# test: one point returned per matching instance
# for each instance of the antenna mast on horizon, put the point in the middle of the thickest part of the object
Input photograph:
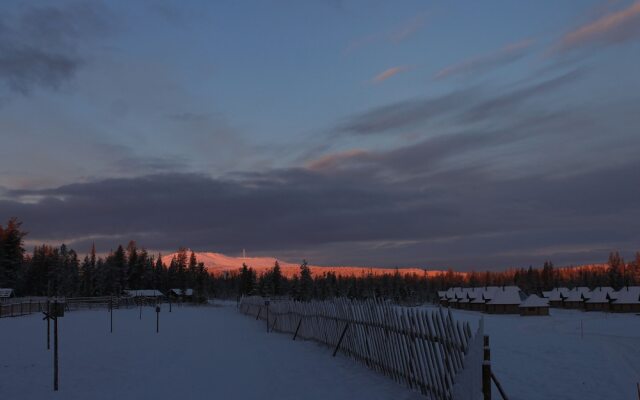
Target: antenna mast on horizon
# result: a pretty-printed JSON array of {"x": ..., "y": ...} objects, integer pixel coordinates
[{"x": 244, "y": 254}]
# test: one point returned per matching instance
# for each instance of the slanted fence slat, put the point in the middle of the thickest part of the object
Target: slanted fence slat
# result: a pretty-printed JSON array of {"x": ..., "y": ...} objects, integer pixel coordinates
[{"x": 421, "y": 349}]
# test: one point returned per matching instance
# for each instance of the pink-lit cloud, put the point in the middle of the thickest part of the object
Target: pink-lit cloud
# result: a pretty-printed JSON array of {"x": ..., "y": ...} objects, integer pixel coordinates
[
  {"x": 409, "y": 28},
  {"x": 386, "y": 74},
  {"x": 506, "y": 55},
  {"x": 333, "y": 160},
  {"x": 397, "y": 35},
  {"x": 610, "y": 28}
]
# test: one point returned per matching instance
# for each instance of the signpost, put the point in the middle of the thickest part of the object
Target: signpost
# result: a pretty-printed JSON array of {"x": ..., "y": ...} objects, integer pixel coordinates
[{"x": 54, "y": 311}]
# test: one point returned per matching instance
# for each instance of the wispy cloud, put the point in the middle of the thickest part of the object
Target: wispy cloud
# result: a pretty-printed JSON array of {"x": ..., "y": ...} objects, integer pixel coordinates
[
  {"x": 333, "y": 160},
  {"x": 386, "y": 74},
  {"x": 396, "y": 35},
  {"x": 409, "y": 28},
  {"x": 611, "y": 28},
  {"x": 506, "y": 55}
]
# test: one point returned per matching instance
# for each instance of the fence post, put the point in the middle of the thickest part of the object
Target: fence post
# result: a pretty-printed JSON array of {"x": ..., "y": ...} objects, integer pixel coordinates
[
  {"x": 48, "y": 327},
  {"x": 297, "y": 328},
  {"x": 486, "y": 370},
  {"x": 111, "y": 313},
  {"x": 340, "y": 341},
  {"x": 55, "y": 352},
  {"x": 157, "y": 319}
]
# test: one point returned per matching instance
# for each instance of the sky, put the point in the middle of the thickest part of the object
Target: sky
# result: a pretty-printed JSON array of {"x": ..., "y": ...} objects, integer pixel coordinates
[{"x": 471, "y": 135}]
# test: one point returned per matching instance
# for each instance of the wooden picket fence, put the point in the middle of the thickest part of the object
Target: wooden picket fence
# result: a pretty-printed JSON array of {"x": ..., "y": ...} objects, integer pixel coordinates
[{"x": 423, "y": 349}]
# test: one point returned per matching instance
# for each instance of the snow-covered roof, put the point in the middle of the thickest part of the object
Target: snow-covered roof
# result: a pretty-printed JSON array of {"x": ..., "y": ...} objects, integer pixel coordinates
[
  {"x": 455, "y": 292},
  {"x": 144, "y": 293},
  {"x": 506, "y": 295},
  {"x": 5, "y": 292},
  {"x": 600, "y": 295},
  {"x": 178, "y": 292},
  {"x": 556, "y": 294},
  {"x": 577, "y": 294},
  {"x": 535, "y": 301},
  {"x": 467, "y": 295},
  {"x": 628, "y": 295}
]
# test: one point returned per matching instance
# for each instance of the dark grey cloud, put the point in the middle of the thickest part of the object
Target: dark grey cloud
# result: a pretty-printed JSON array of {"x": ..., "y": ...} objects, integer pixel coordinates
[
  {"x": 457, "y": 107},
  {"x": 39, "y": 45},
  {"x": 465, "y": 217},
  {"x": 507, "y": 55}
]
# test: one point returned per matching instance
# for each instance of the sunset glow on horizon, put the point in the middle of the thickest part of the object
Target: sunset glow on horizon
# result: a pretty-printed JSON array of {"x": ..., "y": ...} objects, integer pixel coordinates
[{"x": 483, "y": 135}]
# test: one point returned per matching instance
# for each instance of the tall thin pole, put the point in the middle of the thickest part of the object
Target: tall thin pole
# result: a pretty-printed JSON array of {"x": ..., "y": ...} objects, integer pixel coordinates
[
  {"x": 48, "y": 327},
  {"x": 55, "y": 353},
  {"x": 111, "y": 313}
]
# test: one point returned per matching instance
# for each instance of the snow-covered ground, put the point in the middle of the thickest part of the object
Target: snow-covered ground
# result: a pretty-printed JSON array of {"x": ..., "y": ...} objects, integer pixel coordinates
[
  {"x": 548, "y": 358},
  {"x": 208, "y": 352}
]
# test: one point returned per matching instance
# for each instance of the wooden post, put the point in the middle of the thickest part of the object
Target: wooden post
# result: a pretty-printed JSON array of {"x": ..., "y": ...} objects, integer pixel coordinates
[
  {"x": 157, "y": 319},
  {"x": 140, "y": 311},
  {"x": 340, "y": 341},
  {"x": 48, "y": 327},
  {"x": 111, "y": 313},
  {"x": 55, "y": 353},
  {"x": 486, "y": 370},
  {"x": 267, "y": 318},
  {"x": 259, "y": 311},
  {"x": 297, "y": 328},
  {"x": 169, "y": 302}
]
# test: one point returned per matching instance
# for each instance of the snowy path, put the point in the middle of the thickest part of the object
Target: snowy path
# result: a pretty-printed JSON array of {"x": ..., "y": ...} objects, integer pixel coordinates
[
  {"x": 545, "y": 358},
  {"x": 212, "y": 353}
]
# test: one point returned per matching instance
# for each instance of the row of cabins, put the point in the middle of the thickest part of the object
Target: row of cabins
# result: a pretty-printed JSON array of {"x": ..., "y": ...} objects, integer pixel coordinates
[
  {"x": 626, "y": 299},
  {"x": 494, "y": 300},
  {"x": 511, "y": 300}
]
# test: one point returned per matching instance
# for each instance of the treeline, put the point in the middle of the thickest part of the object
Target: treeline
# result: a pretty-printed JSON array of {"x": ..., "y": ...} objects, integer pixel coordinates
[
  {"x": 410, "y": 288},
  {"x": 59, "y": 271}
]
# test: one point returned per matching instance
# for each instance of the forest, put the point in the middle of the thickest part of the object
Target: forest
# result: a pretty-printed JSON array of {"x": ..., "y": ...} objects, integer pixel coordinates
[{"x": 60, "y": 271}]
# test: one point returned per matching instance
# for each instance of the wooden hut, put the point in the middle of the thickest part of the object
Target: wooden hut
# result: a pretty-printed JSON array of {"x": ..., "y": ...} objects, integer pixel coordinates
[
  {"x": 534, "y": 305},
  {"x": 599, "y": 299},
  {"x": 6, "y": 293},
  {"x": 556, "y": 296},
  {"x": 145, "y": 295},
  {"x": 626, "y": 299},
  {"x": 576, "y": 297},
  {"x": 468, "y": 295},
  {"x": 443, "y": 300},
  {"x": 178, "y": 294},
  {"x": 505, "y": 300}
]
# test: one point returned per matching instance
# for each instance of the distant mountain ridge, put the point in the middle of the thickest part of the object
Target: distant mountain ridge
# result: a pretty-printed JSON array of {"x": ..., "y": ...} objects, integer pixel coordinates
[{"x": 217, "y": 263}]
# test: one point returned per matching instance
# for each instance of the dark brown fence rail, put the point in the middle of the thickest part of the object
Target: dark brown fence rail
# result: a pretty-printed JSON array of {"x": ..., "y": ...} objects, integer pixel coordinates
[
  {"x": 422, "y": 349},
  {"x": 24, "y": 306},
  {"x": 18, "y": 308}
]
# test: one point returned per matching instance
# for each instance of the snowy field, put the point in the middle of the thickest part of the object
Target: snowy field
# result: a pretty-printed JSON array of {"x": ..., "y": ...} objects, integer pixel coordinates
[
  {"x": 547, "y": 358},
  {"x": 208, "y": 352}
]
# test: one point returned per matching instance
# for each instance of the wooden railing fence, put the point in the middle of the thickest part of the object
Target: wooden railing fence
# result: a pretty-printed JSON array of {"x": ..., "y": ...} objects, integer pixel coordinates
[
  {"x": 24, "y": 306},
  {"x": 422, "y": 349},
  {"x": 16, "y": 309}
]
